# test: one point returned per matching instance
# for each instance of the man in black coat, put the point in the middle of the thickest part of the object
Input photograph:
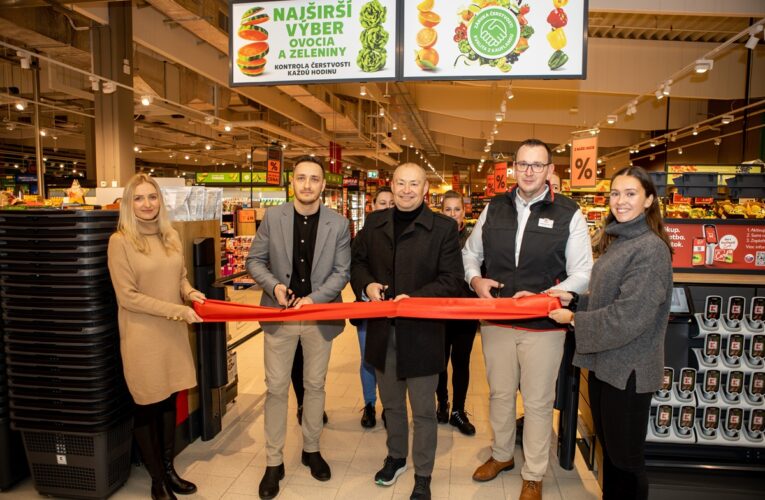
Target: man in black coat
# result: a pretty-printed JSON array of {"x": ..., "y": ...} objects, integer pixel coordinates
[{"x": 407, "y": 251}]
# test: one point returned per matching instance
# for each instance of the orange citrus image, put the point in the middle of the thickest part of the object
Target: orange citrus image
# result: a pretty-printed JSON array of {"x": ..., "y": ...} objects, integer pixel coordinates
[
  {"x": 429, "y": 19},
  {"x": 427, "y": 37},
  {"x": 427, "y": 59},
  {"x": 425, "y": 5}
]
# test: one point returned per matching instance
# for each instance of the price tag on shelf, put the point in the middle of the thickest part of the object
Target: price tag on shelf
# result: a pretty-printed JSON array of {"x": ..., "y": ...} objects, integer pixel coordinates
[{"x": 584, "y": 158}]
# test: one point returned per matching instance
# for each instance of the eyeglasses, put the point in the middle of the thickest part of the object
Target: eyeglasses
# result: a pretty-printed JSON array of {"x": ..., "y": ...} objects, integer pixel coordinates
[{"x": 536, "y": 167}]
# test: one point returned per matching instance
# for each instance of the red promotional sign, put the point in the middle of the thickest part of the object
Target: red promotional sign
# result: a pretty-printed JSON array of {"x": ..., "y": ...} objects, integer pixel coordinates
[
  {"x": 500, "y": 177},
  {"x": 717, "y": 246},
  {"x": 678, "y": 198},
  {"x": 274, "y": 166},
  {"x": 584, "y": 158},
  {"x": 490, "y": 185}
]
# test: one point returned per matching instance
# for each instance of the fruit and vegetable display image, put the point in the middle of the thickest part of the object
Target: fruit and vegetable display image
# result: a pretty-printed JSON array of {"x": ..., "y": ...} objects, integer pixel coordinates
[
  {"x": 557, "y": 19},
  {"x": 493, "y": 32},
  {"x": 374, "y": 38},
  {"x": 251, "y": 57},
  {"x": 426, "y": 56}
]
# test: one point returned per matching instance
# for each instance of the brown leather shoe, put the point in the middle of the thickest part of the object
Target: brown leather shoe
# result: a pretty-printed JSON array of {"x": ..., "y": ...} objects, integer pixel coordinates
[
  {"x": 532, "y": 490},
  {"x": 491, "y": 468}
]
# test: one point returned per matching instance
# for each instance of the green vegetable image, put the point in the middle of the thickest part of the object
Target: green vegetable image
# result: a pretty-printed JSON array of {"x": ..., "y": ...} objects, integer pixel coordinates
[
  {"x": 526, "y": 31},
  {"x": 370, "y": 60},
  {"x": 373, "y": 14},
  {"x": 558, "y": 59},
  {"x": 374, "y": 38}
]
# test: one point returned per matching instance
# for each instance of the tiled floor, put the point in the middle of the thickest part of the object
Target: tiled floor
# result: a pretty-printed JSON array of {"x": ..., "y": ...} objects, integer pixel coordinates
[{"x": 230, "y": 466}]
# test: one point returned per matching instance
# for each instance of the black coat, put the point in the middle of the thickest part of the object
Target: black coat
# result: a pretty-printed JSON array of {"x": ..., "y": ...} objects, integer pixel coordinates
[{"x": 428, "y": 263}]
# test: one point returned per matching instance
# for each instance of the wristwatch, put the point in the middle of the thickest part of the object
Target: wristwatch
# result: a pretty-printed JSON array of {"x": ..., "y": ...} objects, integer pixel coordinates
[{"x": 573, "y": 302}]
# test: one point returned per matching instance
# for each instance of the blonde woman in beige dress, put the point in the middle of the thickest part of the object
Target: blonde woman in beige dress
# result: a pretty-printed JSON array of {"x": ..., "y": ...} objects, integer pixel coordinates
[{"x": 149, "y": 278}]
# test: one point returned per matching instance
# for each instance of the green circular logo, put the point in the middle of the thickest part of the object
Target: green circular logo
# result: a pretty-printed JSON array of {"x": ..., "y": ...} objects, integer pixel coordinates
[{"x": 493, "y": 32}]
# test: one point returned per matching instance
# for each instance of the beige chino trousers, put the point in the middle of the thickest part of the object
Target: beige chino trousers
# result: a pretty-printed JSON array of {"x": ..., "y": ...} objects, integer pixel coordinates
[
  {"x": 279, "y": 353},
  {"x": 528, "y": 360}
]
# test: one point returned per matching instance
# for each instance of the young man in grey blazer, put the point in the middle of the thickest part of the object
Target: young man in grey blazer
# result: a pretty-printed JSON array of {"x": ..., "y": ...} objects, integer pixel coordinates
[{"x": 300, "y": 255}]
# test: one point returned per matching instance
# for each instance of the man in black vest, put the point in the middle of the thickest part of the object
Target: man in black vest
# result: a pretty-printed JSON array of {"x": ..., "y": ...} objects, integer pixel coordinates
[
  {"x": 531, "y": 240},
  {"x": 408, "y": 251}
]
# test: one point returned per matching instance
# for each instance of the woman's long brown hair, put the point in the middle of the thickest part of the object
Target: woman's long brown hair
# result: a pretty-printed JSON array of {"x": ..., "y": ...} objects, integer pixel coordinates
[{"x": 652, "y": 214}]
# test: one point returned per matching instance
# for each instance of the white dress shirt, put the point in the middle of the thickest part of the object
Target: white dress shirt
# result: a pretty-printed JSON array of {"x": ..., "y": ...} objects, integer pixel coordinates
[{"x": 578, "y": 247}]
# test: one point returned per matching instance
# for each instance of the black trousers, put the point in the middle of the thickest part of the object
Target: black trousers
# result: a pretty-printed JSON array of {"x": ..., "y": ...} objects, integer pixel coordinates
[
  {"x": 621, "y": 420},
  {"x": 459, "y": 338}
]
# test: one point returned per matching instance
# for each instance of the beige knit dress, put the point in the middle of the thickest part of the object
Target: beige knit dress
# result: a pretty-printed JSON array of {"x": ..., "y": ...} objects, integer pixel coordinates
[{"x": 151, "y": 290}]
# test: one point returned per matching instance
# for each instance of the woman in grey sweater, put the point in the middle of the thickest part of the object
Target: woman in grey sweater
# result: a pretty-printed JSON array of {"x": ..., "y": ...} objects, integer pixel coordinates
[{"x": 619, "y": 328}]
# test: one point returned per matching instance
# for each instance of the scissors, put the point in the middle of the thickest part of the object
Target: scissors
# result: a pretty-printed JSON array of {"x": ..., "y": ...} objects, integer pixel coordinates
[{"x": 291, "y": 299}]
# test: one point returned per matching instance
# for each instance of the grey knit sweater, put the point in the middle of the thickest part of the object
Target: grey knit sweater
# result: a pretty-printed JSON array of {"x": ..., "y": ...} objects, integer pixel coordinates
[{"x": 621, "y": 321}]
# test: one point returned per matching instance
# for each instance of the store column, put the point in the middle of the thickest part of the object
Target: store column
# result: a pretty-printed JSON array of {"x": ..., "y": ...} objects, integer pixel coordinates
[{"x": 109, "y": 152}]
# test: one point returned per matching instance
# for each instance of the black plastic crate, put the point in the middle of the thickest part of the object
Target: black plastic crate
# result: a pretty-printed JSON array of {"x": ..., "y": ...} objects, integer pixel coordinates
[
  {"x": 80, "y": 465},
  {"x": 116, "y": 392},
  {"x": 67, "y": 421},
  {"x": 13, "y": 463}
]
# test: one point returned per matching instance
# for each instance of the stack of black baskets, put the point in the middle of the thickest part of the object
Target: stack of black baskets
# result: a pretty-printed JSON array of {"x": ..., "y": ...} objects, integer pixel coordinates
[{"x": 67, "y": 393}]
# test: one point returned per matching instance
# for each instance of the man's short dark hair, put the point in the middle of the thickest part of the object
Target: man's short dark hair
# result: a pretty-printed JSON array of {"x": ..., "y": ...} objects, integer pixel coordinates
[
  {"x": 383, "y": 189},
  {"x": 535, "y": 143},
  {"x": 308, "y": 159}
]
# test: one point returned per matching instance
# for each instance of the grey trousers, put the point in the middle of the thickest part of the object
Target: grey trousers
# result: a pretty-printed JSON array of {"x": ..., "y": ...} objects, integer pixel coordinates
[
  {"x": 393, "y": 391},
  {"x": 278, "y": 353}
]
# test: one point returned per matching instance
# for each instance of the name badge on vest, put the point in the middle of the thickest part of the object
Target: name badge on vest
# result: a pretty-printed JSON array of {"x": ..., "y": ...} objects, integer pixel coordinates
[{"x": 546, "y": 223}]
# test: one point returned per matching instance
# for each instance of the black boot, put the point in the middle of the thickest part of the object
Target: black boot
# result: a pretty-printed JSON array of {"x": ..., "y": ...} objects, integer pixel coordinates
[
  {"x": 150, "y": 454},
  {"x": 442, "y": 413},
  {"x": 175, "y": 482}
]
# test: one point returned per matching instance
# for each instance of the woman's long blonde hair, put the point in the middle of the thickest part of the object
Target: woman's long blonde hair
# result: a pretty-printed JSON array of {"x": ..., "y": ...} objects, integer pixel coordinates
[{"x": 128, "y": 224}]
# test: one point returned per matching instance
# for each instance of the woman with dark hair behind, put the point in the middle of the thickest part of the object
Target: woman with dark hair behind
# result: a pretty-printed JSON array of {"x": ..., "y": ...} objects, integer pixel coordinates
[
  {"x": 458, "y": 340},
  {"x": 620, "y": 326}
]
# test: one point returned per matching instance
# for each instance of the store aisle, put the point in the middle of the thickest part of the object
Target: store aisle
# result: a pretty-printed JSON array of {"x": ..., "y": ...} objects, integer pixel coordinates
[{"x": 231, "y": 466}]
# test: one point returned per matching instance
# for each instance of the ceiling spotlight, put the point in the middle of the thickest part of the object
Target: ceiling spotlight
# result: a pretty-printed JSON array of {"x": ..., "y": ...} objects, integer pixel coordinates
[
  {"x": 284, "y": 145},
  {"x": 209, "y": 120},
  {"x": 703, "y": 65},
  {"x": 752, "y": 42},
  {"x": 600, "y": 162},
  {"x": 717, "y": 141},
  {"x": 695, "y": 130},
  {"x": 26, "y": 60},
  {"x": 10, "y": 126},
  {"x": 313, "y": 155},
  {"x": 652, "y": 144},
  {"x": 363, "y": 90},
  {"x": 20, "y": 105},
  {"x": 61, "y": 167},
  {"x": 490, "y": 141},
  {"x": 135, "y": 149},
  {"x": 403, "y": 137},
  {"x": 227, "y": 127},
  {"x": 15, "y": 165},
  {"x": 186, "y": 157},
  {"x": 666, "y": 89},
  {"x": 726, "y": 119},
  {"x": 395, "y": 126},
  {"x": 249, "y": 155},
  {"x": 146, "y": 100},
  {"x": 659, "y": 94},
  {"x": 93, "y": 83},
  {"x": 486, "y": 149},
  {"x": 672, "y": 137},
  {"x": 509, "y": 94},
  {"x": 43, "y": 132},
  {"x": 503, "y": 106},
  {"x": 381, "y": 113},
  {"x": 109, "y": 87},
  {"x": 208, "y": 146},
  {"x": 611, "y": 119},
  {"x": 679, "y": 151},
  {"x": 499, "y": 117},
  {"x": 594, "y": 131}
]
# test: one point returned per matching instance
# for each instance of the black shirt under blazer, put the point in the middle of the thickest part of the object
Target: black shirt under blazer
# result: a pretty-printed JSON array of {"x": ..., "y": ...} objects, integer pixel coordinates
[{"x": 427, "y": 263}]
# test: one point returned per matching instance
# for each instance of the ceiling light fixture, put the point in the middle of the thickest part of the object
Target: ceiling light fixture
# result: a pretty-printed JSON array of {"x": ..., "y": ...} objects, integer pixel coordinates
[
  {"x": 146, "y": 100},
  {"x": 503, "y": 106},
  {"x": 695, "y": 130},
  {"x": 703, "y": 65},
  {"x": 395, "y": 126},
  {"x": 186, "y": 157},
  {"x": 499, "y": 117},
  {"x": 659, "y": 94},
  {"x": 20, "y": 105},
  {"x": 752, "y": 42},
  {"x": 652, "y": 144},
  {"x": 209, "y": 120},
  {"x": 381, "y": 112},
  {"x": 43, "y": 132},
  {"x": 109, "y": 87},
  {"x": 611, "y": 119},
  {"x": 403, "y": 137},
  {"x": 679, "y": 151},
  {"x": 208, "y": 146},
  {"x": 726, "y": 119},
  {"x": 135, "y": 149},
  {"x": 717, "y": 141},
  {"x": 227, "y": 127},
  {"x": 509, "y": 94},
  {"x": 666, "y": 89},
  {"x": 363, "y": 91}
]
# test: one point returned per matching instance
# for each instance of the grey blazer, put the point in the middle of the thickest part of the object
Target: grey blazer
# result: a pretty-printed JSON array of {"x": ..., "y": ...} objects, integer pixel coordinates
[{"x": 270, "y": 260}]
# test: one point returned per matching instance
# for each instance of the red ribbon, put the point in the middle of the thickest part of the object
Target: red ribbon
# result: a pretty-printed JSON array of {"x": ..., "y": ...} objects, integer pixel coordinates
[{"x": 535, "y": 306}]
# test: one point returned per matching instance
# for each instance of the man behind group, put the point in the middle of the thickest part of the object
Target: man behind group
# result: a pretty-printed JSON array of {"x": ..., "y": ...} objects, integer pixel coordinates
[
  {"x": 407, "y": 252},
  {"x": 300, "y": 255},
  {"x": 530, "y": 240}
]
